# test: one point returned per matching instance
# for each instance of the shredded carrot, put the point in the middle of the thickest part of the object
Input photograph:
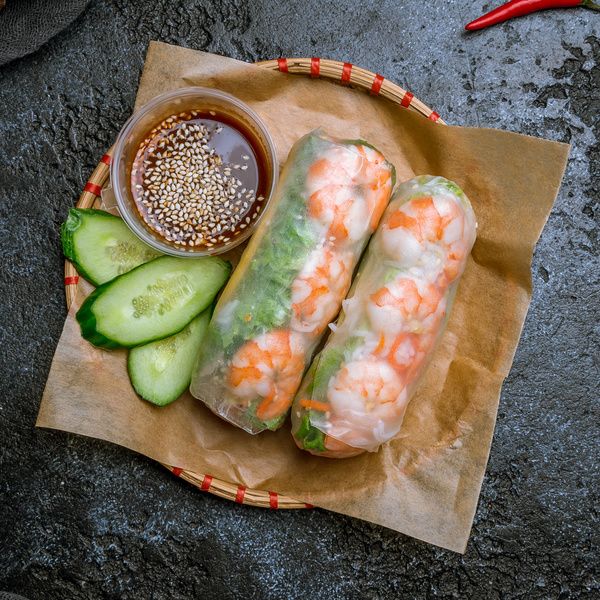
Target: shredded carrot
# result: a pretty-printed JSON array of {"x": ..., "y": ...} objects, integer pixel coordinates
[
  {"x": 264, "y": 405},
  {"x": 306, "y": 403},
  {"x": 381, "y": 344}
]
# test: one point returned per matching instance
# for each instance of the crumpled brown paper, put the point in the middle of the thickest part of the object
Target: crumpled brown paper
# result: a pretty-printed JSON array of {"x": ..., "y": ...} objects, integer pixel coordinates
[{"x": 426, "y": 482}]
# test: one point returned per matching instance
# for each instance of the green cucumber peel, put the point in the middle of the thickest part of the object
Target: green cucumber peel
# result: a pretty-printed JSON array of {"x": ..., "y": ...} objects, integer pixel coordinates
[
  {"x": 152, "y": 301},
  {"x": 161, "y": 370},
  {"x": 101, "y": 246},
  {"x": 67, "y": 229},
  {"x": 88, "y": 324}
]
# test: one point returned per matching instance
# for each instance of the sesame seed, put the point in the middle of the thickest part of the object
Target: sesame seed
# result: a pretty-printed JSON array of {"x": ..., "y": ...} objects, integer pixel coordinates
[{"x": 187, "y": 192}]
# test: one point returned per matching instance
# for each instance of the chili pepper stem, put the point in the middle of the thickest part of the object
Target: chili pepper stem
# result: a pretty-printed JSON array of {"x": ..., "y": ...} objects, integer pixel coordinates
[{"x": 589, "y": 4}]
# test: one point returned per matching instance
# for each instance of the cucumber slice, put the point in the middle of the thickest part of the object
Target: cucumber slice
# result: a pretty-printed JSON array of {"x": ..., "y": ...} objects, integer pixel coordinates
[
  {"x": 162, "y": 370},
  {"x": 101, "y": 246},
  {"x": 151, "y": 302}
]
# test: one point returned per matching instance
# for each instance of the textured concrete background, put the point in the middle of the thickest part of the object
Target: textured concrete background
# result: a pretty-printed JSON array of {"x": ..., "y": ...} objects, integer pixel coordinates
[{"x": 81, "y": 518}]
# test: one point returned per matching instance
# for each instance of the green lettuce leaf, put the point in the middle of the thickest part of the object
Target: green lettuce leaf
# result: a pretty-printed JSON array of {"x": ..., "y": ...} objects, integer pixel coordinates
[
  {"x": 310, "y": 437},
  {"x": 265, "y": 295}
]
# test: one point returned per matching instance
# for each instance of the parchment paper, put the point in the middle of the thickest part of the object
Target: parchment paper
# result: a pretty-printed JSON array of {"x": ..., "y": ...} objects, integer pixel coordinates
[{"x": 426, "y": 482}]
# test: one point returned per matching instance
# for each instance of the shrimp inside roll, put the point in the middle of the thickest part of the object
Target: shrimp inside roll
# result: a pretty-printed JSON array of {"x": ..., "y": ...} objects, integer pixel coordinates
[{"x": 355, "y": 394}]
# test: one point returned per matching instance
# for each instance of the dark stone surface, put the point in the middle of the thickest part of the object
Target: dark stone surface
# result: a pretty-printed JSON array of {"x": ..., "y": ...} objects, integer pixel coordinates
[{"x": 81, "y": 518}]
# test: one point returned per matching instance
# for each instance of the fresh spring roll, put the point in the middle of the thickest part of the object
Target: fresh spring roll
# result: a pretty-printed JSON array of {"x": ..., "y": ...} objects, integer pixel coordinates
[
  {"x": 354, "y": 396},
  {"x": 291, "y": 280}
]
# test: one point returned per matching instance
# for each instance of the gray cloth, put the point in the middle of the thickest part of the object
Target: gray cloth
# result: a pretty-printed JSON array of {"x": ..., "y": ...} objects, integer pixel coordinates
[{"x": 27, "y": 24}]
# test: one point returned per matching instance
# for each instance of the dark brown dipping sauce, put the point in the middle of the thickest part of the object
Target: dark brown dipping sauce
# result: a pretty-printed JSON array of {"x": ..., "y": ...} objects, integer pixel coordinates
[{"x": 199, "y": 179}]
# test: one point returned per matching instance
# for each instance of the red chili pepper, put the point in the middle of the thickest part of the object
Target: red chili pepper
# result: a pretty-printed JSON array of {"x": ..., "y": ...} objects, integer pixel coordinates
[{"x": 517, "y": 8}]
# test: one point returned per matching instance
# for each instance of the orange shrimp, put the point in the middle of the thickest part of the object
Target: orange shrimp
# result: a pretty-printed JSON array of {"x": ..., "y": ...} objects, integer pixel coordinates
[
  {"x": 366, "y": 396},
  {"x": 406, "y": 351},
  {"x": 408, "y": 298},
  {"x": 434, "y": 221},
  {"x": 319, "y": 289},
  {"x": 406, "y": 305},
  {"x": 337, "y": 449},
  {"x": 348, "y": 191},
  {"x": 425, "y": 222},
  {"x": 336, "y": 207},
  {"x": 269, "y": 367},
  {"x": 338, "y": 166},
  {"x": 379, "y": 186}
]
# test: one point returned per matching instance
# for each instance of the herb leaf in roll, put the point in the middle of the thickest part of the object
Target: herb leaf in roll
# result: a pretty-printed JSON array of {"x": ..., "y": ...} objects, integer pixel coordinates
[{"x": 291, "y": 280}]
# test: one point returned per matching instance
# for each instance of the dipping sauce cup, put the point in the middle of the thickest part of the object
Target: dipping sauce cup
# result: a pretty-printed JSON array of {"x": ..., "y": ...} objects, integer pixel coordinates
[{"x": 192, "y": 172}]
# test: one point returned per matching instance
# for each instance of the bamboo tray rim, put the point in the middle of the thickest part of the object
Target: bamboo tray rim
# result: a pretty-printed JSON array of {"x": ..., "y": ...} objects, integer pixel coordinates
[{"x": 330, "y": 70}]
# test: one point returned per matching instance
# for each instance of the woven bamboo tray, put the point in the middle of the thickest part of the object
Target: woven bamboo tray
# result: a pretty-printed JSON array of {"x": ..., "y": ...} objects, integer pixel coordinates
[{"x": 330, "y": 70}]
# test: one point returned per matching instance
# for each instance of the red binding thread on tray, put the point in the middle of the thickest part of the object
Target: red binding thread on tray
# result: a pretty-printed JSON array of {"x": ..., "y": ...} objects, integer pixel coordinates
[
  {"x": 106, "y": 159},
  {"x": 273, "y": 502},
  {"x": 283, "y": 66},
  {"x": 433, "y": 116},
  {"x": 376, "y": 85},
  {"x": 346, "y": 72},
  {"x": 93, "y": 188},
  {"x": 406, "y": 100},
  {"x": 206, "y": 483},
  {"x": 71, "y": 280},
  {"x": 241, "y": 492},
  {"x": 177, "y": 471},
  {"x": 315, "y": 66}
]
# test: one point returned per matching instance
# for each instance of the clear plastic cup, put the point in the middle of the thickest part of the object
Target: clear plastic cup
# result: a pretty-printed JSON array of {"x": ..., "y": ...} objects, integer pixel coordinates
[{"x": 240, "y": 116}]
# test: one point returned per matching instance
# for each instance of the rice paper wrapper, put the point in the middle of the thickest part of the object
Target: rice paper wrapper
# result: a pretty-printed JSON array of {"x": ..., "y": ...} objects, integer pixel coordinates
[
  {"x": 426, "y": 481},
  {"x": 267, "y": 323},
  {"x": 355, "y": 394}
]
